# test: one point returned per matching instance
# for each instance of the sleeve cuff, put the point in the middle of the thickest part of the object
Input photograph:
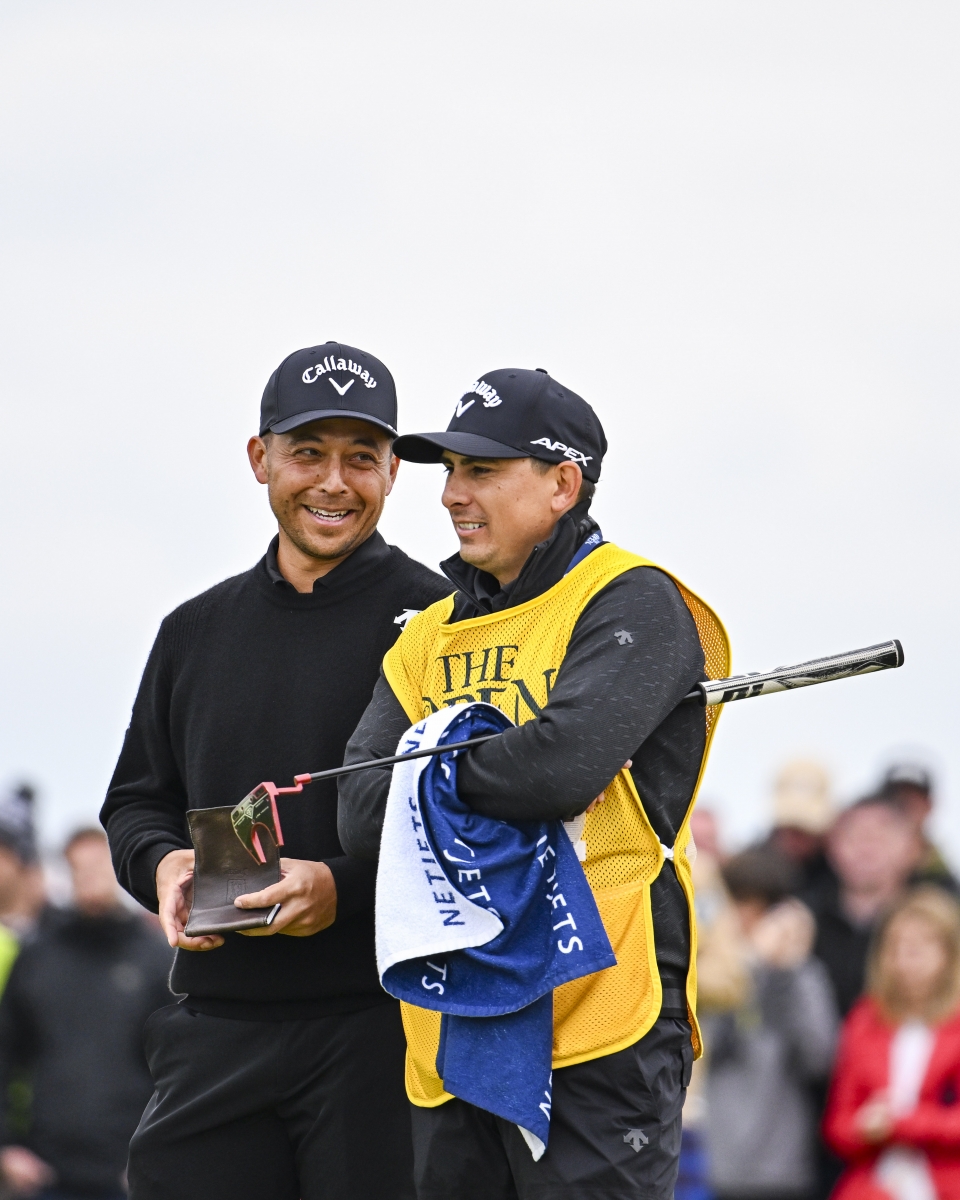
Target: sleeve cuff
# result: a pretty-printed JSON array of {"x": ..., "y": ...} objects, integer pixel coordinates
[
  {"x": 143, "y": 872},
  {"x": 356, "y": 883}
]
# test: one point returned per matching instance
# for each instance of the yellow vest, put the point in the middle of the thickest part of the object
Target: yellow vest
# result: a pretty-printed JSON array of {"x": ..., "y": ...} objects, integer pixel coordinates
[{"x": 510, "y": 659}]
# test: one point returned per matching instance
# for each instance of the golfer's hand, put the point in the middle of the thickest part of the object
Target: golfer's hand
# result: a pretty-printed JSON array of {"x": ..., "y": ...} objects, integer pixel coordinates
[
  {"x": 307, "y": 894},
  {"x": 599, "y": 800},
  {"x": 175, "y": 894}
]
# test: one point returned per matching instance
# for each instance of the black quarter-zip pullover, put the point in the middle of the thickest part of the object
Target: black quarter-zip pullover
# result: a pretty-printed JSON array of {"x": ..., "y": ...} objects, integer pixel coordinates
[{"x": 249, "y": 681}]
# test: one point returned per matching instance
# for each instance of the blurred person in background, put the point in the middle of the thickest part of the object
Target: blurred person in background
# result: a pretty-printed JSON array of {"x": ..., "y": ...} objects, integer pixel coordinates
[
  {"x": 894, "y": 1110},
  {"x": 765, "y": 1054},
  {"x": 723, "y": 983},
  {"x": 705, "y": 832},
  {"x": 803, "y": 813},
  {"x": 910, "y": 787},
  {"x": 72, "y": 1020},
  {"x": 874, "y": 850},
  {"x": 723, "y": 976},
  {"x": 22, "y": 892}
]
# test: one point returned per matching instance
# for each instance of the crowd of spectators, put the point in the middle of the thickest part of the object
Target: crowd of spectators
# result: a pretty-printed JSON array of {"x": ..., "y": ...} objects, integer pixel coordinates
[
  {"x": 829, "y": 998},
  {"x": 79, "y": 981}
]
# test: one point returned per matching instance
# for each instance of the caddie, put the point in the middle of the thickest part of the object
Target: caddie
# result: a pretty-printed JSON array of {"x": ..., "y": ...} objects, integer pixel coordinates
[
  {"x": 590, "y": 650},
  {"x": 279, "y": 1074}
]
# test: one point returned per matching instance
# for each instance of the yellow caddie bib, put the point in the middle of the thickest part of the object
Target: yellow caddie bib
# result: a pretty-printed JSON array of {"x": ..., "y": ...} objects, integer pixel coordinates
[{"x": 510, "y": 659}]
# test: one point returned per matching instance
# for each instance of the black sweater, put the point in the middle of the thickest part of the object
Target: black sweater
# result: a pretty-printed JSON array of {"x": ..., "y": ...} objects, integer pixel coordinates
[
  {"x": 72, "y": 1020},
  {"x": 250, "y": 681},
  {"x": 614, "y": 698}
]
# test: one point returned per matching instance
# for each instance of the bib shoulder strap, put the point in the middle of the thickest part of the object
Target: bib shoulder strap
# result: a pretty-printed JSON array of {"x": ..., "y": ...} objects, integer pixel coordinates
[
  {"x": 405, "y": 663},
  {"x": 713, "y": 636}
]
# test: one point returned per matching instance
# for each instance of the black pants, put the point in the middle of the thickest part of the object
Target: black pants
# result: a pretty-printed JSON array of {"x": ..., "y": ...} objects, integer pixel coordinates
[
  {"x": 274, "y": 1110},
  {"x": 614, "y": 1133}
]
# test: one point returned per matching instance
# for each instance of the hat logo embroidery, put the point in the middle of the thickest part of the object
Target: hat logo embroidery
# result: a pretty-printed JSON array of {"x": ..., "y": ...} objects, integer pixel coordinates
[
  {"x": 462, "y": 408},
  {"x": 491, "y": 398},
  {"x": 576, "y": 456},
  {"x": 346, "y": 387},
  {"x": 312, "y": 374}
]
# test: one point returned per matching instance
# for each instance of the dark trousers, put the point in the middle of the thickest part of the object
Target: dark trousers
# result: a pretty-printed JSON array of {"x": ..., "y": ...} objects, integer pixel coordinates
[
  {"x": 274, "y": 1110},
  {"x": 614, "y": 1133}
]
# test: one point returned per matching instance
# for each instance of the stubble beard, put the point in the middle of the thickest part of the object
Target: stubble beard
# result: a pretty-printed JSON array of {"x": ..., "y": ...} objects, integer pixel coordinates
[{"x": 311, "y": 550}]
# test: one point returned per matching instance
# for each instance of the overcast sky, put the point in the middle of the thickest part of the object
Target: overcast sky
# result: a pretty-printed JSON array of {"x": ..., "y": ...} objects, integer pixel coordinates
[{"x": 731, "y": 226}]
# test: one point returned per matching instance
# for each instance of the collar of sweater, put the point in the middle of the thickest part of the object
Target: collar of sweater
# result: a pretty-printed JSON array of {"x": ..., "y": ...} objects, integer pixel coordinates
[
  {"x": 479, "y": 592},
  {"x": 356, "y": 571}
]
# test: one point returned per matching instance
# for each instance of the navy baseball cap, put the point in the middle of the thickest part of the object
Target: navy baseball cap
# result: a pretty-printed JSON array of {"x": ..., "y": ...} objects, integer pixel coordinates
[
  {"x": 514, "y": 413},
  {"x": 331, "y": 380}
]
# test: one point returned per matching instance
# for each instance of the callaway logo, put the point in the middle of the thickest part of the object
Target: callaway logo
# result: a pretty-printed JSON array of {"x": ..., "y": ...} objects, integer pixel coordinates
[
  {"x": 312, "y": 374},
  {"x": 568, "y": 451},
  {"x": 487, "y": 393}
]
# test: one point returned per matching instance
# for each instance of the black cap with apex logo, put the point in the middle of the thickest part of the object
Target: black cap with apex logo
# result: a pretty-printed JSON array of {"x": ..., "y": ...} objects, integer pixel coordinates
[
  {"x": 331, "y": 380},
  {"x": 514, "y": 413}
]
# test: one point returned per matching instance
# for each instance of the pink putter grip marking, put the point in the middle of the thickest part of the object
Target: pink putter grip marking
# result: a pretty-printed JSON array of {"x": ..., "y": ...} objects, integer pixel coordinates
[{"x": 259, "y": 849}]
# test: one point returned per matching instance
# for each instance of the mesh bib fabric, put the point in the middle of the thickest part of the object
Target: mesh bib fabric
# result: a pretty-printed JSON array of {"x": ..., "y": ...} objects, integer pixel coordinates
[{"x": 510, "y": 659}]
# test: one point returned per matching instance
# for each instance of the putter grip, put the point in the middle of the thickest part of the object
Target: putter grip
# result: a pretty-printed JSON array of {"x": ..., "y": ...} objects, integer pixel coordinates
[
  {"x": 882, "y": 657},
  {"x": 223, "y": 871}
]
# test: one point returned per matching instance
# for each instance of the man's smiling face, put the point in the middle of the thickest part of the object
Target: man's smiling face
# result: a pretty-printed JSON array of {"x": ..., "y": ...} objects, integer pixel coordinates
[
  {"x": 502, "y": 507},
  {"x": 327, "y": 482}
]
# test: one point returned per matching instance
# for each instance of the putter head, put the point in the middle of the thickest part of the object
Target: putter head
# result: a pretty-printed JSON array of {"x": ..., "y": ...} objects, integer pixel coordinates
[
  {"x": 258, "y": 811},
  {"x": 256, "y": 816}
]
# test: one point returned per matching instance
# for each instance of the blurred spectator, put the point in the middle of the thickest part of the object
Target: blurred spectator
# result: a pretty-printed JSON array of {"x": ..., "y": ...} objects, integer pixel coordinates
[
  {"x": 723, "y": 976},
  {"x": 910, "y": 787},
  {"x": 705, "y": 831},
  {"x": 22, "y": 892},
  {"x": 764, "y": 1055},
  {"x": 803, "y": 812},
  {"x": 894, "y": 1112},
  {"x": 873, "y": 849},
  {"x": 72, "y": 1018},
  {"x": 723, "y": 982}
]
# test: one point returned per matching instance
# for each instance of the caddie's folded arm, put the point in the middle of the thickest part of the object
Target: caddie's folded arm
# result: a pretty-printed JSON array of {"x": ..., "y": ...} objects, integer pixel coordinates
[
  {"x": 633, "y": 655},
  {"x": 145, "y": 809}
]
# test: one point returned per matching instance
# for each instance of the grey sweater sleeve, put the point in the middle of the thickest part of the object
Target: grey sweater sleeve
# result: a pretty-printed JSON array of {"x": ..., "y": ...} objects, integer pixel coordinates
[
  {"x": 633, "y": 655},
  {"x": 799, "y": 1004}
]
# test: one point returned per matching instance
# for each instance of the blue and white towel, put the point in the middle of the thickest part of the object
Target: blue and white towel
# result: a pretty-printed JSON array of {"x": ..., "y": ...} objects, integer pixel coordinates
[{"x": 480, "y": 920}]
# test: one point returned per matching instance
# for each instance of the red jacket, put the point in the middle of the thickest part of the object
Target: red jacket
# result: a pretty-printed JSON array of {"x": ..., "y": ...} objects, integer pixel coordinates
[{"x": 934, "y": 1126}]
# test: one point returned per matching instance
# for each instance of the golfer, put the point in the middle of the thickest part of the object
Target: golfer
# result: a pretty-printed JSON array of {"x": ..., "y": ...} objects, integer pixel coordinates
[
  {"x": 590, "y": 650},
  {"x": 278, "y": 1075}
]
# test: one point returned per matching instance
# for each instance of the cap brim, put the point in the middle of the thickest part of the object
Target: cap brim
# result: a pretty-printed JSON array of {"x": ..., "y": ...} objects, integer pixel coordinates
[
  {"x": 324, "y": 414},
  {"x": 429, "y": 447}
]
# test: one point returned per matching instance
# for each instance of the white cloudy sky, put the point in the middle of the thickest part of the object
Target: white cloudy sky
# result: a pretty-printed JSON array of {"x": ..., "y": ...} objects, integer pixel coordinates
[{"x": 731, "y": 226}]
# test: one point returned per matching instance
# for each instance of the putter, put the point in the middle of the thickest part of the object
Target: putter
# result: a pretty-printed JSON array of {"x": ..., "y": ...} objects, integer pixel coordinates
[{"x": 249, "y": 860}]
